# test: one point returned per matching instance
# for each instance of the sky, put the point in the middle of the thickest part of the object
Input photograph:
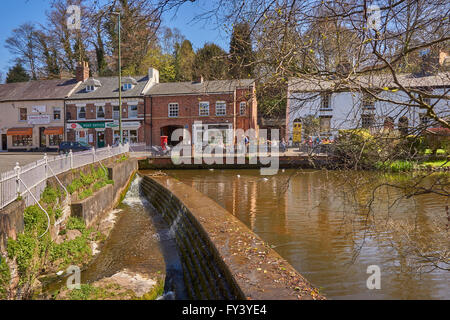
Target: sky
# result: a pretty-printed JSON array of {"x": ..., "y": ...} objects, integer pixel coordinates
[{"x": 14, "y": 13}]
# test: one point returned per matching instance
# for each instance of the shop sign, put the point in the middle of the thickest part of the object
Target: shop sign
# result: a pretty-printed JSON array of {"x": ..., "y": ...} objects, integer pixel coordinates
[
  {"x": 39, "y": 119},
  {"x": 86, "y": 125}
]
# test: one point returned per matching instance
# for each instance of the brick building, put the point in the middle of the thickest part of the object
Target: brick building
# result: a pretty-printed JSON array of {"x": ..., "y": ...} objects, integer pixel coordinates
[
  {"x": 93, "y": 109},
  {"x": 198, "y": 106}
]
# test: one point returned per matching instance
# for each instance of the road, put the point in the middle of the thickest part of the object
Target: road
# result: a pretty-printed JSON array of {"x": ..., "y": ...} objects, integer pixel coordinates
[{"x": 8, "y": 159}]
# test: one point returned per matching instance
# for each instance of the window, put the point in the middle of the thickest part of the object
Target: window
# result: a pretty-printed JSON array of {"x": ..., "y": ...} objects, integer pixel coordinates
[
  {"x": 55, "y": 139},
  {"x": 204, "y": 109},
  {"x": 90, "y": 88},
  {"x": 221, "y": 108},
  {"x": 325, "y": 124},
  {"x": 23, "y": 114},
  {"x": 325, "y": 101},
  {"x": 243, "y": 108},
  {"x": 173, "y": 110},
  {"x": 132, "y": 111},
  {"x": 22, "y": 141},
  {"x": 100, "y": 112},
  {"x": 128, "y": 136},
  {"x": 116, "y": 112},
  {"x": 367, "y": 120},
  {"x": 424, "y": 119},
  {"x": 56, "y": 113},
  {"x": 368, "y": 101},
  {"x": 127, "y": 86},
  {"x": 81, "y": 113}
]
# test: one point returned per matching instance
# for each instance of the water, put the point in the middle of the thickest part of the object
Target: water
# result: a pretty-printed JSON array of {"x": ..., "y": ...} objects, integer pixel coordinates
[
  {"x": 140, "y": 242},
  {"x": 318, "y": 221}
]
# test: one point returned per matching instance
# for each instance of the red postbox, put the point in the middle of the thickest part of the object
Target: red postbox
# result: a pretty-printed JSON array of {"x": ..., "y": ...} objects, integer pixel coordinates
[{"x": 164, "y": 142}]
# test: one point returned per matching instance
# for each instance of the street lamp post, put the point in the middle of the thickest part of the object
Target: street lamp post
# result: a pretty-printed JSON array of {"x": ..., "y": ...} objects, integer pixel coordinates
[{"x": 120, "y": 80}]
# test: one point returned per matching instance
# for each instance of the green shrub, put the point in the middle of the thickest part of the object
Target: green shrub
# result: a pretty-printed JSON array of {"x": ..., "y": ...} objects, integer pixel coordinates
[
  {"x": 87, "y": 179},
  {"x": 75, "y": 186},
  {"x": 34, "y": 219},
  {"x": 23, "y": 250},
  {"x": 5, "y": 277},
  {"x": 98, "y": 185},
  {"x": 50, "y": 195},
  {"x": 440, "y": 152},
  {"x": 75, "y": 223},
  {"x": 428, "y": 151},
  {"x": 85, "y": 194}
]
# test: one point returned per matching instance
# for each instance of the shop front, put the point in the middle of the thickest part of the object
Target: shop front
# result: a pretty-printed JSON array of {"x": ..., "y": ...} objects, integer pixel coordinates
[
  {"x": 20, "y": 139},
  {"x": 130, "y": 131}
]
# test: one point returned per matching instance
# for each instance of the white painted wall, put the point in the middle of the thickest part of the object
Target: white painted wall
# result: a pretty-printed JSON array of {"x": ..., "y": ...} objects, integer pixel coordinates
[{"x": 347, "y": 108}]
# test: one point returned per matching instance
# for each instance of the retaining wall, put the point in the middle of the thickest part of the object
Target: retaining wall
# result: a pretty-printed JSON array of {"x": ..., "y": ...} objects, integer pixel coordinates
[{"x": 222, "y": 258}]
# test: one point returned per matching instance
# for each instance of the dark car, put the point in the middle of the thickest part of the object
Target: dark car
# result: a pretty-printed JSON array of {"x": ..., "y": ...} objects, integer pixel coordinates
[{"x": 66, "y": 146}]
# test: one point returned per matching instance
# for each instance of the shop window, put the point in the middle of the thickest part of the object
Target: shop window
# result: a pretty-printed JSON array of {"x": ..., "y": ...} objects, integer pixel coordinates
[
  {"x": 22, "y": 141},
  {"x": 55, "y": 139},
  {"x": 325, "y": 124}
]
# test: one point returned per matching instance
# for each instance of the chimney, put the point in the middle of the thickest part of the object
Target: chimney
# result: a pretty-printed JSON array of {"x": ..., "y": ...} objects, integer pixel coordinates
[
  {"x": 82, "y": 71},
  {"x": 153, "y": 75}
]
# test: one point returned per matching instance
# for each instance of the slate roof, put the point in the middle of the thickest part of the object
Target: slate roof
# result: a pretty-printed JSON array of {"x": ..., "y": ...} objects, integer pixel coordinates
[
  {"x": 109, "y": 88},
  {"x": 37, "y": 90},
  {"x": 205, "y": 87},
  {"x": 379, "y": 81}
]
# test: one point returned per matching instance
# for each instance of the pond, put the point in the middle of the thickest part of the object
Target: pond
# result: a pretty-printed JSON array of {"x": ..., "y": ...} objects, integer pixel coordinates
[{"x": 321, "y": 223}]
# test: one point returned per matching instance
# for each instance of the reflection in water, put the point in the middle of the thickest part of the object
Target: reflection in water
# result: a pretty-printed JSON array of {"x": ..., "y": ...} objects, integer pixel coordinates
[{"x": 318, "y": 222}]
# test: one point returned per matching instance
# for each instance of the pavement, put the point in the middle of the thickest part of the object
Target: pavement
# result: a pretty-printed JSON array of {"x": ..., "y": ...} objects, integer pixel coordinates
[{"x": 8, "y": 159}]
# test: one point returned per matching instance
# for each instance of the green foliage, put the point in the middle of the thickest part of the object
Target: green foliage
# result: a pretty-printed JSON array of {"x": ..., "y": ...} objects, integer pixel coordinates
[
  {"x": 17, "y": 74},
  {"x": 440, "y": 152},
  {"x": 85, "y": 194},
  {"x": 211, "y": 62},
  {"x": 241, "y": 52},
  {"x": 87, "y": 179},
  {"x": 75, "y": 223},
  {"x": 357, "y": 148},
  {"x": 98, "y": 185},
  {"x": 50, "y": 195},
  {"x": 184, "y": 61},
  {"x": 395, "y": 166},
  {"x": 34, "y": 219},
  {"x": 122, "y": 159},
  {"x": 76, "y": 251},
  {"x": 157, "y": 291},
  {"x": 23, "y": 249},
  {"x": 428, "y": 151},
  {"x": 75, "y": 186},
  {"x": 86, "y": 292},
  {"x": 5, "y": 278}
]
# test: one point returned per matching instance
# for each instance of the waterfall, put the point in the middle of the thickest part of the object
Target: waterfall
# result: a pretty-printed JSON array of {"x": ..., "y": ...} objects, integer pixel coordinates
[{"x": 134, "y": 195}]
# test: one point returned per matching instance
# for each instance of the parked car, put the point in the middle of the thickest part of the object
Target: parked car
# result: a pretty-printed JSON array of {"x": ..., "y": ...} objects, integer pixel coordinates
[{"x": 66, "y": 146}]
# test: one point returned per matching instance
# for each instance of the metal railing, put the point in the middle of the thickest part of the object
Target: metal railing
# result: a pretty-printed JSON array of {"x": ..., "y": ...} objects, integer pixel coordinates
[{"x": 29, "y": 181}]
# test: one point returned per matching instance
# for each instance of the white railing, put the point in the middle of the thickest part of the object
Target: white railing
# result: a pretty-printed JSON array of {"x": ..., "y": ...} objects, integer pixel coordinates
[{"x": 34, "y": 175}]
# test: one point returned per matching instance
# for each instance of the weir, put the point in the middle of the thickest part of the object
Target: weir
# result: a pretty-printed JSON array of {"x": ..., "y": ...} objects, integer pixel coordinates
[{"x": 221, "y": 257}]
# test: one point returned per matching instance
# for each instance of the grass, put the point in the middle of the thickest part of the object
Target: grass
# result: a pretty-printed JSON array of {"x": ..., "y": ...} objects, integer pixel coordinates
[
  {"x": 436, "y": 163},
  {"x": 395, "y": 166}
]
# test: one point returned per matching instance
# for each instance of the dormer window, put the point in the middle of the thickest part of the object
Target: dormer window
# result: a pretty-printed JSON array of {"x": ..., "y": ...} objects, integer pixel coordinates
[
  {"x": 128, "y": 83},
  {"x": 92, "y": 84},
  {"x": 127, "y": 86}
]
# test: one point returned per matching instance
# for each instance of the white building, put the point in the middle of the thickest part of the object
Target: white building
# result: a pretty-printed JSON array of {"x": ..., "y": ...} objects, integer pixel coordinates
[{"x": 347, "y": 105}]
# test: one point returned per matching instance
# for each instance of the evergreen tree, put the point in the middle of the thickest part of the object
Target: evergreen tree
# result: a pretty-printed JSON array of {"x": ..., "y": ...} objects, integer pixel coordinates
[
  {"x": 17, "y": 74},
  {"x": 211, "y": 62},
  {"x": 184, "y": 61},
  {"x": 241, "y": 53}
]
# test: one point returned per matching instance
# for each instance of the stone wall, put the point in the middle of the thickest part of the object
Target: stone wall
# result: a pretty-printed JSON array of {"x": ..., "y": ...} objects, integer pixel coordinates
[
  {"x": 11, "y": 222},
  {"x": 222, "y": 258}
]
